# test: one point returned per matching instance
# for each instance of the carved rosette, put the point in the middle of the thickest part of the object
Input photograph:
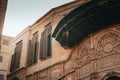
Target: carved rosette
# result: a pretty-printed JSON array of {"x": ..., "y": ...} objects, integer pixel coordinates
[{"x": 108, "y": 43}]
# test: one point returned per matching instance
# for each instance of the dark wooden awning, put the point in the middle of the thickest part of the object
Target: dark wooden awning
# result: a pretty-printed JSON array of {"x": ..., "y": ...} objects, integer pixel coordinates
[{"x": 86, "y": 19}]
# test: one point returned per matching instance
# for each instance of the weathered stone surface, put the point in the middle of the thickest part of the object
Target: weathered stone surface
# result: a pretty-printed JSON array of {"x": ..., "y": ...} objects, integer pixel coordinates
[{"x": 97, "y": 57}]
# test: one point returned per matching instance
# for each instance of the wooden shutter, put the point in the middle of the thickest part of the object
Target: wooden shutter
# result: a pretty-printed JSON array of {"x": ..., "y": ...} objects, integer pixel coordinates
[
  {"x": 15, "y": 62},
  {"x": 44, "y": 46},
  {"x": 35, "y": 47},
  {"x": 49, "y": 45},
  {"x": 32, "y": 53},
  {"x": 19, "y": 53},
  {"x": 35, "y": 51},
  {"x": 45, "y": 43},
  {"x": 28, "y": 54},
  {"x": 41, "y": 49},
  {"x": 12, "y": 61}
]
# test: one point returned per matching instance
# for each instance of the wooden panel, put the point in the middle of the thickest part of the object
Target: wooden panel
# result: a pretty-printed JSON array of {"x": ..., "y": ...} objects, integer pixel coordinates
[
  {"x": 45, "y": 43},
  {"x": 15, "y": 62}
]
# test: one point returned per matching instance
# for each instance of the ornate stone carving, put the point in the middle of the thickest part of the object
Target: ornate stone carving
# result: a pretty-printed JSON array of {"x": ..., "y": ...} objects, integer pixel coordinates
[
  {"x": 84, "y": 61},
  {"x": 107, "y": 43},
  {"x": 83, "y": 52},
  {"x": 117, "y": 48},
  {"x": 84, "y": 48},
  {"x": 108, "y": 47},
  {"x": 103, "y": 43}
]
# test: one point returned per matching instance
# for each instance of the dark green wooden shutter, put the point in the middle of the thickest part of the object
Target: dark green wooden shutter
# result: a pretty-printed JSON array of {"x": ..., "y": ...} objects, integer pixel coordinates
[
  {"x": 12, "y": 61},
  {"x": 49, "y": 45},
  {"x": 29, "y": 51}
]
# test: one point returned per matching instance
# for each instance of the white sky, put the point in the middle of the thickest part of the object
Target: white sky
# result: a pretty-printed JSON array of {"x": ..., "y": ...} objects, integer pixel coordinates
[{"x": 22, "y": 13}]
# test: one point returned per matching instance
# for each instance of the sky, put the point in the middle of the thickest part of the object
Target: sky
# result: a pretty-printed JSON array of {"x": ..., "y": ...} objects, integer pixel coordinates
[{"x": 22, "y": 13}]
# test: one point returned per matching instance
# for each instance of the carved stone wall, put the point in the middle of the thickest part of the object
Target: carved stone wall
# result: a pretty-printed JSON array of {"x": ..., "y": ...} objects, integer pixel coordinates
[
  {"x": 96, "y": 58},
  {"x": 19, "y": 74},
  {"x": 99, "y": 53}
]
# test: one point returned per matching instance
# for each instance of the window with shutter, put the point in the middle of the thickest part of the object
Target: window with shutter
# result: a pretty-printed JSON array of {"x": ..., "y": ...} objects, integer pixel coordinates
[
  {"x": 12, "y": 63},
  {"x": 29, "y": 54},
  {"x": 33, "y": 50},
  {"x": 45, "y": 43},
  {"x": 15, "y": 62}
]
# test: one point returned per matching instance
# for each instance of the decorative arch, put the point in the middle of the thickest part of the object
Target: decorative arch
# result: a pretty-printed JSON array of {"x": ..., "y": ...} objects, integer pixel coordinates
[
  {"x": 107, "y": 43},
  {"x": 112, "y": 76}
]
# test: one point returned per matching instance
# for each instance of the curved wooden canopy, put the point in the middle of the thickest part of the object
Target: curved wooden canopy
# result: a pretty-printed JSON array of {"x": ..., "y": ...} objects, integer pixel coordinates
[{"x": 86, "y": 19}]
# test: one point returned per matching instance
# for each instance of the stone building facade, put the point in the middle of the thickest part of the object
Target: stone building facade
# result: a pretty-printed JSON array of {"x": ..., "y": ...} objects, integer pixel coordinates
[
  {"x": 4, "y": 56},
  {"x": 76, "y": 41},
  {"x": 3, "y": 6}
]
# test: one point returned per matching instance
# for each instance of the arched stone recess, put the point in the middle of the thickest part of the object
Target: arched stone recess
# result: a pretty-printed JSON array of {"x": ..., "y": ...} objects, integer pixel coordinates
[{"x": 111, "y": 76}]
